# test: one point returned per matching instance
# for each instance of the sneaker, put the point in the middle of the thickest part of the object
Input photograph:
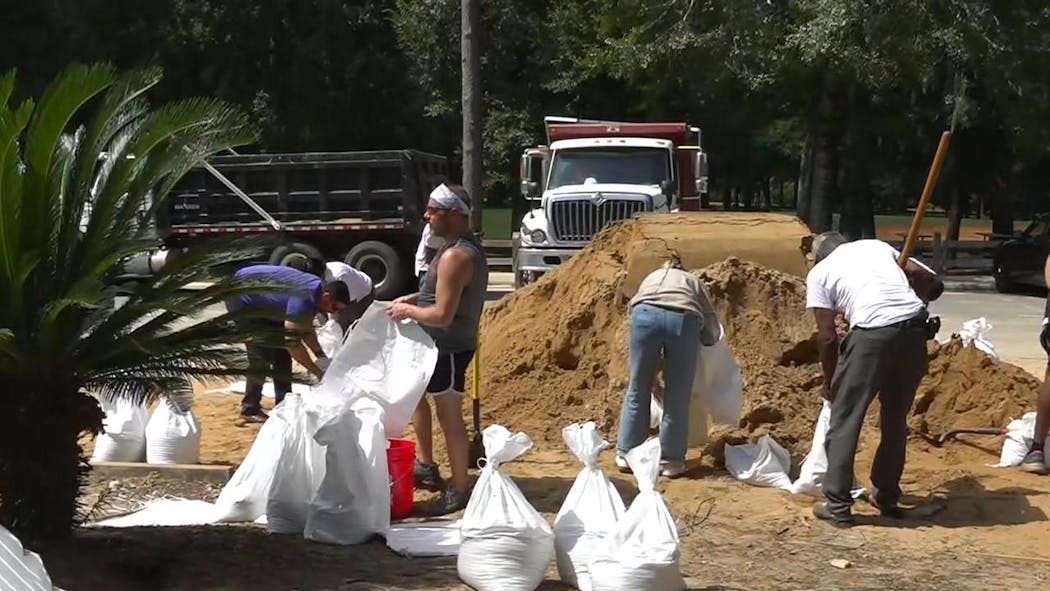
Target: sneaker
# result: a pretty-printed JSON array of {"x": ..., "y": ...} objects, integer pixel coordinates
[
  {"x": 821, "y": 511},
  {"x": 254, "y": 416},
  {"x": 1035, "y": 462},
  {"x": 450, "y": 501},
  {"x": 621, "y": 464},
  {"x": 428, "y": 477},
  {"x": 672, "y": 469}
]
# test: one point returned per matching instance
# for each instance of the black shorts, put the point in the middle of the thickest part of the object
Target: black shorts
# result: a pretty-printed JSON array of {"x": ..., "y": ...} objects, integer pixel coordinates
[{"x": 450, "y": 373}]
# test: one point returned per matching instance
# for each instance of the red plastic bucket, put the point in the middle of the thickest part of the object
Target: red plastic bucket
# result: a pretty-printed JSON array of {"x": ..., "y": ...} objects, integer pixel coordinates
[{"x": 400, "y": 461}]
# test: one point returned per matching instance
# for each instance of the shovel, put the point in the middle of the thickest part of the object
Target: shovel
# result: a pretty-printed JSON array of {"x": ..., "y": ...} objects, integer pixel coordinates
[
  {"x": 938, "y": 440},
  {"x": 477, "y": 447}
]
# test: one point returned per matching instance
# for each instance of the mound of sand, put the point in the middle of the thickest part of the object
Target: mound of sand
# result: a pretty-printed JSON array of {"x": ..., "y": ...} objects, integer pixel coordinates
[{"x": 556, "y": 351}]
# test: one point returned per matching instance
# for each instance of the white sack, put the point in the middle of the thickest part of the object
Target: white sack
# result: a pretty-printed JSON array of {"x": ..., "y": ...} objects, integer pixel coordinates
[
  {"x": 590, "y": 511},
  {"x": 390, "y": 362},
  {"x": 427, "y": 539},
  {"x": 20, "y": 569},
  {"x": 244, "y": 497},
  {"x": 167, "y": 512},
  {"x": 765, "y": 463},
  {"x": 975, "y": 332},
  {"x": 505, "y": 544},
  {"x": 719, "y": 382},
  {"x": 300, "y": 467},
  {"x": 330, "y": 336},
  {"x": 642, "y": 553},
  {"x": 815, "y": 465},
  {"x": 1019, "y": 436},
  {"x": 353, "y": 501},
  {"x": 172, "y": 436},
  {"x": 124, "y": 437}
]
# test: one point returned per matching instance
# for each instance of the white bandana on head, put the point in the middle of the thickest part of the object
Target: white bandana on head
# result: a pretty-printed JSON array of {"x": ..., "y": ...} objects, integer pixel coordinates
[{"x": 444, "y": 197}]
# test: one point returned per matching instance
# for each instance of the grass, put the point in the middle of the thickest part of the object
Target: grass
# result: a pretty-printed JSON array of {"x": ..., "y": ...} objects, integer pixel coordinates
[{"x": 497, "y": 224}]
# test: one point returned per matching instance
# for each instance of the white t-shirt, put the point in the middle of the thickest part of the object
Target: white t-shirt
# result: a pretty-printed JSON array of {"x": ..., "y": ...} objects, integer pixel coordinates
[
  {"x": 863, "y": 281},
  {"x": 357, "y": 283},
  {"x": 427, "y": 240}
]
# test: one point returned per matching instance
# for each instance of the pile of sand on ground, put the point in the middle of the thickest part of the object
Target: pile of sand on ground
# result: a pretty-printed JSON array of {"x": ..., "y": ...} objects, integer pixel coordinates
[{"x": 556, "y": 351}]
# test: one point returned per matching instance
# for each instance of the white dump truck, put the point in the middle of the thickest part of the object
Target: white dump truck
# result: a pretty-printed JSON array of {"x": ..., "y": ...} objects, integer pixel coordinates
[{"x": 595, "y": 173}]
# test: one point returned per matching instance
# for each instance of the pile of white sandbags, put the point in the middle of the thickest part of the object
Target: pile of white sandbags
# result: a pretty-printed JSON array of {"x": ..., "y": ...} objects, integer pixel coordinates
[{"x": 170, "y": 436}]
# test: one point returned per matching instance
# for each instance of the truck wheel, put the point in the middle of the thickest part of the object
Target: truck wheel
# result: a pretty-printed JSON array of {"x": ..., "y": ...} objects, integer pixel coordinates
[
  {"x": 383, "y": 264},
  {"x": 299, "y": 255}
]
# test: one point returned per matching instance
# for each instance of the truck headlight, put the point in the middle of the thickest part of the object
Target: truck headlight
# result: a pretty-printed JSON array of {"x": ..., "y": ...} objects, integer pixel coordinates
[{"x": 538, "y": 236}]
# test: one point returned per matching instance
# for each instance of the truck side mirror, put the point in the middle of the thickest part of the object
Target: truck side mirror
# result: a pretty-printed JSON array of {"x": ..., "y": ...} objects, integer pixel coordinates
[
  {"x": 700, "y": 172},
  {"x": 531, "y": 173},
  {"x": 667, "y": 187}
]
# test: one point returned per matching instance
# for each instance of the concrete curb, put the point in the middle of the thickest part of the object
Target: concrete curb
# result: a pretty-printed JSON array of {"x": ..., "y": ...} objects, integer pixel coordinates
[{"x": 202, "y": 472}]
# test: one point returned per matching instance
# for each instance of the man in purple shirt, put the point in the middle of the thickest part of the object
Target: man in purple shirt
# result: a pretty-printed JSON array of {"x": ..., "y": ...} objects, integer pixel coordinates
[{"x": 293, "y": 307}]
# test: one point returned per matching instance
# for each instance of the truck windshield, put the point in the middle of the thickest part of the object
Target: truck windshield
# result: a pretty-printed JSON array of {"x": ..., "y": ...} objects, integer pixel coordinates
[{"x": 633, "y": 166}]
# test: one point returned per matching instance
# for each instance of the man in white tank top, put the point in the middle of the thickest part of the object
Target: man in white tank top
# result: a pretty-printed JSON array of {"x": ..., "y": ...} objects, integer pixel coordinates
[{"x": 883, "y": 354}]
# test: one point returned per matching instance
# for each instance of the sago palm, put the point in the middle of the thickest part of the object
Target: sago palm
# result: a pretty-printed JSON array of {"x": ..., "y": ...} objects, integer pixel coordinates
[{"x": 81, "y": 172}]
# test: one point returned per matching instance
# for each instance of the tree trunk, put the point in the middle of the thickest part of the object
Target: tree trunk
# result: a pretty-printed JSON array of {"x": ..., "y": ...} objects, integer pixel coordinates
[
  {"x": 825, "y": 190},
  {"x": 857, "y": 220},
  {"x": 42, "y": 468},
  {"x": 470, "y": 57},
  {"x": 1002, "y": 209},
  {"x": 958, "y": 206},
  {"x": 804, "y": 184}
]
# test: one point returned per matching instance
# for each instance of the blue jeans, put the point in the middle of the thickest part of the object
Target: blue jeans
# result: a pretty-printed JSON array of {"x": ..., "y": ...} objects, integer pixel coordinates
[{"x": 656, "y": 330}]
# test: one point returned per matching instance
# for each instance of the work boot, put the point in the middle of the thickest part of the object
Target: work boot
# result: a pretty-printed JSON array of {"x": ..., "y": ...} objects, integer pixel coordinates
[
  {"x": 893, "y": 511},
  {"x": 1035, "y": 462},
  {"x": 821, "y": 511},
  {"x": 428, "y": 477},
  {"x": 450, "y": 501}
]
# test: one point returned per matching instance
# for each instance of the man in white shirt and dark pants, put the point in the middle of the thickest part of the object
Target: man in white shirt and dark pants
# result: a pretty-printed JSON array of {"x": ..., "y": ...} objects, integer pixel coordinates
[{"x": 884, "y": 353}]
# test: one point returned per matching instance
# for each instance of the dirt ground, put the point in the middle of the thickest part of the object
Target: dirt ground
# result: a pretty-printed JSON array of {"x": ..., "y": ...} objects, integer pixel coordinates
[{"x": 559, "y": 357}]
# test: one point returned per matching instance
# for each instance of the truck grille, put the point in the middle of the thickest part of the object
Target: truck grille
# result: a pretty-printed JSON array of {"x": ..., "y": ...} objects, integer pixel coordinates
[{"x": 578, "y": 220}]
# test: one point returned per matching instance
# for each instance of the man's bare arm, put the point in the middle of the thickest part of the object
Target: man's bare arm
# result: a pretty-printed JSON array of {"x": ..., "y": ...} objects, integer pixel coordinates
[
  {"x": 299, "y": 352},
  {"x": 827, "y": 344}
]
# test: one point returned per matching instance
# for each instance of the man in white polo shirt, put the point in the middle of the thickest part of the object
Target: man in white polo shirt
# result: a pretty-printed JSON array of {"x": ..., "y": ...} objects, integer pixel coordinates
[
  {"x": 358, "y": 283},
  {"x": 884, "y": 354}
]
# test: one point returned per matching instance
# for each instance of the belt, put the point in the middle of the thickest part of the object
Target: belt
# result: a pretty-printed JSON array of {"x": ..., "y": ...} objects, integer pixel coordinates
[{"x": 917, "y": 321}]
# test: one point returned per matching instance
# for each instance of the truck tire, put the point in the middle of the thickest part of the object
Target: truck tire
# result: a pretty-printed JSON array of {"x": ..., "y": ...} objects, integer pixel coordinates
[
  {"x": 383, "y": 264},
  {"x": 299, "y": 255}
]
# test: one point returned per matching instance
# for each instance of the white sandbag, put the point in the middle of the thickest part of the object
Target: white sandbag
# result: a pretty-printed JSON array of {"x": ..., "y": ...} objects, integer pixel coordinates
[
  {"x": 300, "y": 467},
  {"x": 765, "y": 463},
  {"x": 20, "y": 569},
  {"x": 352, "y": 503},
  {"x": 975, "y": 332},
  {"x": 1019, "y": 436},
  {"x": 244, "y": 497},
  {"x": 330, "y": 336},
  {"x": 815, "y": 465},
  {"x": 590, "y": 511},
  {"x": 427, "y": 539},
  {"x": 173, "y": 436},
  {"x": 719, "y": 381},
  {"x": 642, "y": 553},
  {"x": 506, "y": 545},
  {"x": 390, "y": 362},
  {"x": 124, "y": 435}
]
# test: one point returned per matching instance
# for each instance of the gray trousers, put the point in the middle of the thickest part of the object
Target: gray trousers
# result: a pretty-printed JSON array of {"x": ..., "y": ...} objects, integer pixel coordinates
[{"x": 890, "y": 362}]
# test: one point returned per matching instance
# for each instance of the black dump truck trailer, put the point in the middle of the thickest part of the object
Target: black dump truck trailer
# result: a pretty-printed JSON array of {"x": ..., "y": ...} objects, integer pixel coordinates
[{"x": 364, "y": 208}]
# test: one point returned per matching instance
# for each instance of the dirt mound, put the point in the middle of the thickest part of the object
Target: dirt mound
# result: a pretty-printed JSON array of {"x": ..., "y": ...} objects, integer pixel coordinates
[{"x": 556, "y": 352}]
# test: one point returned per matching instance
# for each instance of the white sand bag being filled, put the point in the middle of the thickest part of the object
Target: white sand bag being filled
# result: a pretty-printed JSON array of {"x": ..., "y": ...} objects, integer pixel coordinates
[
  {"x": 642, "y": 554},
  {"x": 506, "y": 544},
  {"x": 590, "y": 511}
]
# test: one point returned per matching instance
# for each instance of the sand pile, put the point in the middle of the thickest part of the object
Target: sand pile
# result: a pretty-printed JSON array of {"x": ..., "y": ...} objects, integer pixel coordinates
[{"x": 556, "y": 352}]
